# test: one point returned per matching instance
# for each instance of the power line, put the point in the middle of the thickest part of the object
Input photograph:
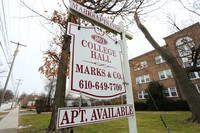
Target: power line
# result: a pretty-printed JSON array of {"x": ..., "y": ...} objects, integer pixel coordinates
[
  {"x": 4, "y": 29},
  {"x": 4, "y": 54}
]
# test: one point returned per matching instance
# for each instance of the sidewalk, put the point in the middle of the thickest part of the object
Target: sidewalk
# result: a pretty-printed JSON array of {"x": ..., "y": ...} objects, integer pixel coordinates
[{"x": 9, "y": 124}]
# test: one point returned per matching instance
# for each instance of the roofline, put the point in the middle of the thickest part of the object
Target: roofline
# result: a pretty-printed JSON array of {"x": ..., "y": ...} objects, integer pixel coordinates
[{"x": 194, "y": 25}]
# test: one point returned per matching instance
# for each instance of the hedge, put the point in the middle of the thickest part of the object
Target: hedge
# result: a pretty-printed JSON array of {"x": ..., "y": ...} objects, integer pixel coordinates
[{"x": 167, "y": 105}]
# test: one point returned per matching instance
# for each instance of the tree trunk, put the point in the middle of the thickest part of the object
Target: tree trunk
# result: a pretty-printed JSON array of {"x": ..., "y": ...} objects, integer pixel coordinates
[
  {"x": 181, "y": 76},
  {"x": 49, "y": 98},
  {"x": 59, "y": 98}
]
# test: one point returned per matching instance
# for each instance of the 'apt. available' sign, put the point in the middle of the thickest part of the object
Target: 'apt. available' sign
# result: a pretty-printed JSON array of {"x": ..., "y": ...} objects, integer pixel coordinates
[
  {"x": 96, "y": 65},
  {"x": 68, "y": 117}
]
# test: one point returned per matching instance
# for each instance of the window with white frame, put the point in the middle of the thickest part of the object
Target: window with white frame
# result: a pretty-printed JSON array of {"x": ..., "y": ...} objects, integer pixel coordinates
[
  {"x": 184, "y": 46},
  {"x": 165, "y": 74},
  {"x": 198, "y": 87},
  {"x": 188, "y": 62},
  {"x": 142, "y": 94},
  {"x": 194, "y": 75},
  {"x": 142, "y": 79},
  {"x": 170, "y": 92},
  {"x": 142, "y": 65},
  {"x": 159, "y": 59}
]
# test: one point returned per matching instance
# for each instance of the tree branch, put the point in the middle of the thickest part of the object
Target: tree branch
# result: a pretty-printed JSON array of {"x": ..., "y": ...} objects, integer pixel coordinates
[{"x": 188, "y": 8}]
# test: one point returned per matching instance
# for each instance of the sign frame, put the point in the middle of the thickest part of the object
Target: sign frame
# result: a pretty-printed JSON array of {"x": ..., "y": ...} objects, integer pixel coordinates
[{"x": 99, "y": 94}]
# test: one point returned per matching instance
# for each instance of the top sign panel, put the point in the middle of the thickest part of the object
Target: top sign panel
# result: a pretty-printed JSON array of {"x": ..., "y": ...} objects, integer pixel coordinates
[
  {"x": 89, "y": 14},
  {"x": 96, "y": 64}
]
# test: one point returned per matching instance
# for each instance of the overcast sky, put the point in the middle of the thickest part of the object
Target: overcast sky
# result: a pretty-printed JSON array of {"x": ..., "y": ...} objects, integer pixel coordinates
[{"x": 17, "y": 25}]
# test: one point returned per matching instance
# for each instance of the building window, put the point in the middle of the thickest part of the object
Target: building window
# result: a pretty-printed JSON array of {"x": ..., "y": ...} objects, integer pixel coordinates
[
  {"x": 142, "y": 94},
  {"x": 184, "y": 46},
  {"x": 142, "y": 79},
  {"x": 142, "y": 65},
  {"x": 194, "y": 75},
  {"x": 159, "y": 59},
  {"x": 188, "y": 62},
  {"x": 165, "y": 74},
  {"x": 170, "y": 92},
  {"x": 198, "y": 87}
]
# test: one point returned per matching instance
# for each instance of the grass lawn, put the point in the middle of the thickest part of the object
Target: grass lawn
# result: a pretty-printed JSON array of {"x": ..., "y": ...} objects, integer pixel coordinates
[{"x": 146, "y": 123}]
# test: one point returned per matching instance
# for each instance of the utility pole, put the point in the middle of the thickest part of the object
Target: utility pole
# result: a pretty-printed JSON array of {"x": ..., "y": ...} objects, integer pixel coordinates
[
  {"x": 15, "y": 96},
  {"x": 15, "y": 54}
]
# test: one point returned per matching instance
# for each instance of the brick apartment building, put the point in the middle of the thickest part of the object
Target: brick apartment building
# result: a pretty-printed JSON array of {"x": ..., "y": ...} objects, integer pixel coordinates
[{"x": 153, "y": 67}]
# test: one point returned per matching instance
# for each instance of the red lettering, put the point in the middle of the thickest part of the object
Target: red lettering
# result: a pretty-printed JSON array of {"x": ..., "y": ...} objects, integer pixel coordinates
[
  {"x": 98, "y": 72},
  {"x": 98, "y": 48},
  {"x": 104, "y": 114},
  {"x": 82, "y": 115},
  {"x": 103, "y": 73},
  {"x": 94, "y": 115},
  {"x": 65, "y": 118},
  {"x": 127, "y": 113},
  {"x": 122, "y": 111},
  {"x": 99, "y": 113},
  {"x": 84, "y": 43},
  {"x": 93, "y": 54},
  {"x": 131, "y": 110},
  {"x": 86, "y": 70},
  {"x": 113, "y": 113},
  {"x": 74, "y": 115},
  {"x": 90, "y": 70},
  {"x": 118, "y": 112},
  {"x": 93, "y": 71},
  {"x": 79, "y": 68}
]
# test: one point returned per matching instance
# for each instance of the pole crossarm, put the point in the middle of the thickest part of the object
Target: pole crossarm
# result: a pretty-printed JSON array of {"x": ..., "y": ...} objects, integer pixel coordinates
[{"x": 18, "y": 43}]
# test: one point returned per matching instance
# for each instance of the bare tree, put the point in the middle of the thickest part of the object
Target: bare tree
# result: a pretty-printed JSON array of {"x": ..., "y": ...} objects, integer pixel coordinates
[
  {"x": 50, "y": 88},
  {"x": 8, "y": 95},
  {"x": 194, "y": 6}
]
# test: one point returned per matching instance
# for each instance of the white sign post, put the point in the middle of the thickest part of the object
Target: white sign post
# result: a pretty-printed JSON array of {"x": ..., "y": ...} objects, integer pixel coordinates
[
  {"x": 96, "y": 68},
  {"x": 129, "y": 93}
]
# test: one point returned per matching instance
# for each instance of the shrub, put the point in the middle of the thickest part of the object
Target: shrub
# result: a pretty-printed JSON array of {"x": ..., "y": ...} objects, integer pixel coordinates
[
  {"x": 182, "y": 105},
  {"x": 40, "y": 105},
  {"x": 24, "y": 106},
  {"x": 169, "y": 105},
  {"x": 140, "y": 106},
  {"x": 155, "y": 91}
]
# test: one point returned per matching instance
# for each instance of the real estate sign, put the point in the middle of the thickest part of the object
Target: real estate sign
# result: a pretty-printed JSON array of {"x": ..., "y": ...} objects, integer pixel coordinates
[
  {"x": 96, "y": 64},
  {"x": 68, "y": 117}
]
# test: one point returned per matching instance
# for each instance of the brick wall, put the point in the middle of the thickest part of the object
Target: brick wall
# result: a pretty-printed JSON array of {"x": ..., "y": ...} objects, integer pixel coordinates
[{"x": 152, "y": 68}]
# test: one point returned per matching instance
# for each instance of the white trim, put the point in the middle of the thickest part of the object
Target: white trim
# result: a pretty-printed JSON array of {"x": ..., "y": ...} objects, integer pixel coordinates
[
  {"x": 170, "y": 92},
  {"x": 166, "y": 73},
  {"x": 159, "y": 59},
  {"x": 143, "y": 79},
  {"x": 143, "y": 94},
  {"x": 198, "y": 88}
]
